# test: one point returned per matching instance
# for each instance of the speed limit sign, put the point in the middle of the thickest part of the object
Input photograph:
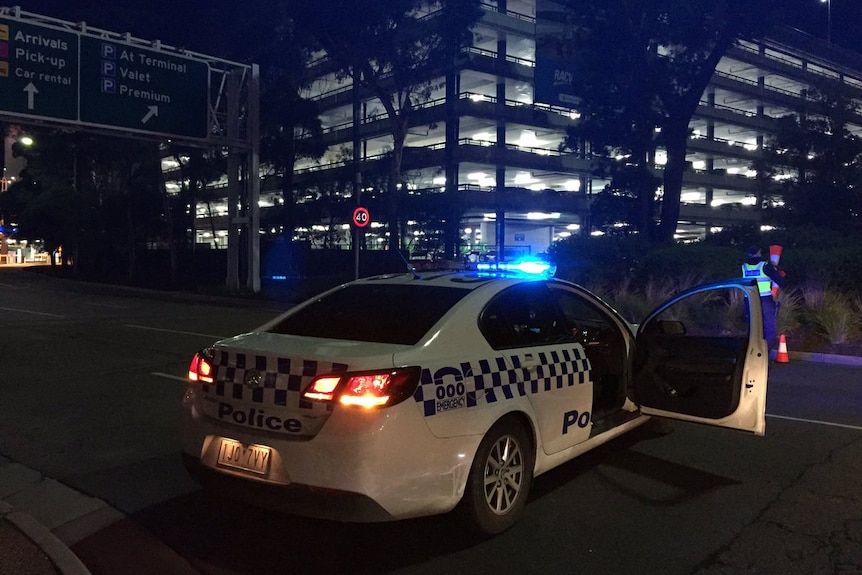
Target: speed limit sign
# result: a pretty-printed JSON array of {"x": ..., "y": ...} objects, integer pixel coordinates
[{"x": 361, "y": 217}]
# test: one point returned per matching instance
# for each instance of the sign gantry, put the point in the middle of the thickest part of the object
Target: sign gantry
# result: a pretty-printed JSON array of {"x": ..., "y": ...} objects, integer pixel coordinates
[{"x": 52, "y": 70}]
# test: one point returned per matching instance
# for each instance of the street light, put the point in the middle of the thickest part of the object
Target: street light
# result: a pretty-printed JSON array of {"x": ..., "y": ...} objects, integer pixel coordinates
[{"x": 829, "y": 19}]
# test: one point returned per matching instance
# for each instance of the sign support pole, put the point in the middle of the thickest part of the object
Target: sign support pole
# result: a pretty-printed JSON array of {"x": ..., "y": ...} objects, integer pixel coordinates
[
  {"x": 358, "y": 234},
  {"x": 253, "y": 176},
  {"x": 232, "y": 281}
]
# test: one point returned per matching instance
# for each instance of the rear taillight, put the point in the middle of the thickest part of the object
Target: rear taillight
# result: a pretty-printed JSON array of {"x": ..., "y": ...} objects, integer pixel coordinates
[
  {"x": 201, "y": 368},
  {"x": 366, "y": 389}
]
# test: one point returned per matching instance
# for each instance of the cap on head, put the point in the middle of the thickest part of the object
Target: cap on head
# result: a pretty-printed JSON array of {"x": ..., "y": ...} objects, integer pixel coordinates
[{"x": 753, "y": 252}]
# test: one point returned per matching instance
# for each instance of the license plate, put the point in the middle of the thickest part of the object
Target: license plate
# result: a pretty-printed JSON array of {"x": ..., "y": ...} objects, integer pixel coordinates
[{"x": 252, "y": 458}]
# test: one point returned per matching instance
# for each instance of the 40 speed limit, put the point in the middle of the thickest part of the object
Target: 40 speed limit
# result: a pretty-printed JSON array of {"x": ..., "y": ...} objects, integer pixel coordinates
[{"x": 361, "y": 217}]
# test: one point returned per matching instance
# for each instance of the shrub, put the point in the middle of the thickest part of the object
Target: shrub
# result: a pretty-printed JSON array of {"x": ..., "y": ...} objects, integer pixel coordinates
[
  {"x": 819, "y": 301},
  {"x": 790, "y": 310},
  {"x": 605, "y": 261},
  {"x": 697, "y": 262},
  {"x": 813, "y": 295},
  {"x": 634, "y": 303},
  {"x": 833, "y": 318},
  {"x": 629, "y": 303}
]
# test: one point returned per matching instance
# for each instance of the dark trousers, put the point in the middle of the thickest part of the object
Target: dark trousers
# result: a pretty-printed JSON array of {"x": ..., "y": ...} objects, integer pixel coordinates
[{"x": 770, "y": 328}]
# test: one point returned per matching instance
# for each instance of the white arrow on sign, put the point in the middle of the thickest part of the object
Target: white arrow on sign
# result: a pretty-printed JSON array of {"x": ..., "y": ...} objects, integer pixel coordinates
[
  {"x": 31, "y": 95},
  {"x": 151, "y": 111}
]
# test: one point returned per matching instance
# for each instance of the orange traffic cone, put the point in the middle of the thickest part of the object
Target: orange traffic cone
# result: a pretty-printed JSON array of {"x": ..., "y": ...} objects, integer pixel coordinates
[
  {"x": 774, "y": 257},
  {"x": 782, "y": 356},
  {"x": 775, "y": 254}
]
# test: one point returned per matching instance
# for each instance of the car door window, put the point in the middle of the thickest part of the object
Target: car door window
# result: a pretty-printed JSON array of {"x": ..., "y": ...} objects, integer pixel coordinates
[
  {"x": 691, "y": 354},
  {"x": 521, "y": 316},
  {"x": 604, "y": 343}
]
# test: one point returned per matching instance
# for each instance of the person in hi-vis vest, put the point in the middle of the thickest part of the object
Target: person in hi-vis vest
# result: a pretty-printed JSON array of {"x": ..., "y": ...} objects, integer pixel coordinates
[{"x": 766, "y": 274}]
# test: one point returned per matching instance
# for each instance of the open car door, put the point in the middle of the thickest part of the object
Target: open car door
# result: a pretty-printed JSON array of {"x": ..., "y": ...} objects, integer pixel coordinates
[{"x": 701, "y": 357}]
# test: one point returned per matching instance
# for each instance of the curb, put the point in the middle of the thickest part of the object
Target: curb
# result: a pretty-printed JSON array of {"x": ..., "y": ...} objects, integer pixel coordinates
[
  {"x": 66, "y": 562},
  {"x": 50, "y": 514},
  {"x": 849, "y": 360}
]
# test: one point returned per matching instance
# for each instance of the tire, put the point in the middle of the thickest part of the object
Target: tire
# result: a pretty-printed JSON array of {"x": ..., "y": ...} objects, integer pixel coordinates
[{"x": 500, "y": 478}]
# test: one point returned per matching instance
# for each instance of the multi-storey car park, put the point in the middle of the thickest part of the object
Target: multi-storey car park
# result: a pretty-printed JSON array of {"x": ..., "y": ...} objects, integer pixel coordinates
[{"x": 484, "y": 142}]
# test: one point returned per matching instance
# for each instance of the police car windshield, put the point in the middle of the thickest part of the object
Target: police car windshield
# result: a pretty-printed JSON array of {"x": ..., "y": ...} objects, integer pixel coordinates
[{"x": 380, "y": 313}]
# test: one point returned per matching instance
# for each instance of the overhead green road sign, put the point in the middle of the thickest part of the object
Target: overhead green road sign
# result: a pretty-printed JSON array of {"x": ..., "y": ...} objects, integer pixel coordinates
[
  {"x": 53, "y": 72},
  {"x": 38, "y": 70},
  {"x": 149, "y": 90}
]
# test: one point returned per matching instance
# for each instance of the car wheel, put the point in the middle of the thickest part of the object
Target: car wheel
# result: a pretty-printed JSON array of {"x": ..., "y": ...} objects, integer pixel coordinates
[{"x": 500, "y": 478}]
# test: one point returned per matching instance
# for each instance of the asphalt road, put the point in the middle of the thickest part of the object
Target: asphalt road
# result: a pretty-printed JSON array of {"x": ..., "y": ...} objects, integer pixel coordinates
[{"x": 90, "y": 389}]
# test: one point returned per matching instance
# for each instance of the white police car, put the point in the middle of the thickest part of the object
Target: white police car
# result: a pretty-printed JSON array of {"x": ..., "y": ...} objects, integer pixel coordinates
[{"x": 402, "y": 396}]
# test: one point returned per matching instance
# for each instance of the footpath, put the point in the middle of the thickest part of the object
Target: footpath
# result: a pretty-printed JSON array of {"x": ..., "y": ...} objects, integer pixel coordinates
[{"x": 40, "y": 519}]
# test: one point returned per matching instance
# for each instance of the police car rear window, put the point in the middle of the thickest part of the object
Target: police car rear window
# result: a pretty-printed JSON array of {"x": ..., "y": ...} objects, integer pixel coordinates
[{"x": 381, "y": 313}]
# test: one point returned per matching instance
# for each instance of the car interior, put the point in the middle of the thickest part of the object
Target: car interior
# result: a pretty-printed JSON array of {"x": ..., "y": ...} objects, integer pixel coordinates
[{"x": 536, "y": 314}]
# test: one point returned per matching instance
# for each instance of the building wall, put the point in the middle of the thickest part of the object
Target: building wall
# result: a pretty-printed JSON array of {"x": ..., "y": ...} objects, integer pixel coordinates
[{"x": 484, "y": 140}]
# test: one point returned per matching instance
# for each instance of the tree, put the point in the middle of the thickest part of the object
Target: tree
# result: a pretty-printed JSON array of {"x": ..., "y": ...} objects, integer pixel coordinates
[
  {"x": 95, "y": 196},
  {"x": 290, "y": 126},
  {"x": 198, "y": 167},
  {"x": 394, "y": 50},
  {"x": 826, "y": 158},
  {"x": 44, "y": 201},
  {"x": 121, "y": 179},
  {"x": 641, "y": 69}
]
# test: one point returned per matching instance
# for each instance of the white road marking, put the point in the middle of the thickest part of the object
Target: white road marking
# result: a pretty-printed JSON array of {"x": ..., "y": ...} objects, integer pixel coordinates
[
  {"x": 107, "y": 305},
  {"x": 816, "y": 422},
  {"x": 169, "y": 376},
  {"x": 30, "y": 312},
  {"x": 213, "y": 337}
]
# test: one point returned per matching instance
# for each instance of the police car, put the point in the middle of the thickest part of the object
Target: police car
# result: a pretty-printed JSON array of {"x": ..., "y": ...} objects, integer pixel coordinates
[{"x": 404, "y": 395}]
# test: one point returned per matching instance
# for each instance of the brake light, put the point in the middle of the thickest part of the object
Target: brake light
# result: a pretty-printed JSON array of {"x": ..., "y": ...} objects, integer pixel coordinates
[
  {"x": 366, "y": 389},
  {"x": 323, "y": 388},
  {"x": 201, "y": 368}
]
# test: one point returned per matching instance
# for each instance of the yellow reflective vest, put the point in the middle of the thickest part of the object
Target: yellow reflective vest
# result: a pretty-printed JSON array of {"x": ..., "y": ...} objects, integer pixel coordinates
[{"x": 755, "y": 272}]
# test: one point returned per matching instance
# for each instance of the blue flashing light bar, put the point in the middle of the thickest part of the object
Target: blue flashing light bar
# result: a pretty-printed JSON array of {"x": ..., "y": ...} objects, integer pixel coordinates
[{"x": 525, "y": 266}]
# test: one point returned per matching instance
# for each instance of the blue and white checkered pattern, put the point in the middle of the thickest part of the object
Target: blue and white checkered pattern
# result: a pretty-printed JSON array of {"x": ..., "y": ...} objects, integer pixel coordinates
[
  {"x": 485, "y": 381},
  {"x": 281, "y": 379}
]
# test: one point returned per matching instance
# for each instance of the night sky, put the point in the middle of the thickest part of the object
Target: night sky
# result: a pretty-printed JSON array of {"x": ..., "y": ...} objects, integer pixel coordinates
[
  {"x": 207, "y": 25},
  {"x": 199, "y": 25}
]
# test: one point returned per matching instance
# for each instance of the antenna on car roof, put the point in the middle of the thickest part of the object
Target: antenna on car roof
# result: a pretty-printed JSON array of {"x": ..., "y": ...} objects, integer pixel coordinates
[{"x": 410, "y": 268}]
